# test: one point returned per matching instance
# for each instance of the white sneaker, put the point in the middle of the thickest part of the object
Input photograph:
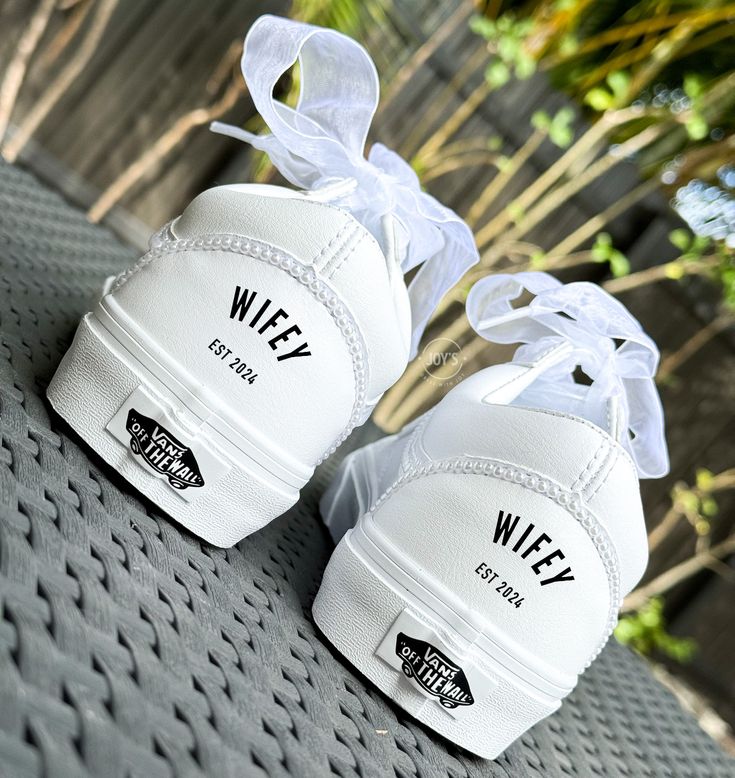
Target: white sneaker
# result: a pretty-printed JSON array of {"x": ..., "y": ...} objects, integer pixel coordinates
[
  {"x": 496, "y": 535},
  {"x": 263, "y": 324}
]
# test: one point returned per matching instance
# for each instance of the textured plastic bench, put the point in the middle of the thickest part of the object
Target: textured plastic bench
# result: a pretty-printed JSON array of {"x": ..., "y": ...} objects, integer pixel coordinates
[{"x": 128, "y": 648}]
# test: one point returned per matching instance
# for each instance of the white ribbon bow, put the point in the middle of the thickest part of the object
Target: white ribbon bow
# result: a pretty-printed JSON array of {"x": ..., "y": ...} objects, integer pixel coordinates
[
  {"x": 585, "y": 316},
  {"x": 322, "y": 142}
]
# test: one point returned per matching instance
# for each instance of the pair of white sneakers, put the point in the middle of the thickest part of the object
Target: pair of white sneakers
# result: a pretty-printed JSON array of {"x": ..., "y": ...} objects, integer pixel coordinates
[{"x": 484, "y": 550}]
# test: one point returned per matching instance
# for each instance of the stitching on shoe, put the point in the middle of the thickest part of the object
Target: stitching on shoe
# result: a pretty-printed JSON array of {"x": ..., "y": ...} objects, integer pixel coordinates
[
  {"x": 613, "y": 460},
  {"x": 541, "y": 356},
  {"x": 336, "y": 238},
  {"x": 345, "y": 256},
  {"x": 599, "y": 472},
  {"x": 346, "y": 249},
  {"x": 587, "y": 474}
]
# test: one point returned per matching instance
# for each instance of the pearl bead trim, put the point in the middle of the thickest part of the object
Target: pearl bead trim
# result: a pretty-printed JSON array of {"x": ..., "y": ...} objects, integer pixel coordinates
[
  {"x": 163, "y": 243},
  {"x": 570, "y": 501}
]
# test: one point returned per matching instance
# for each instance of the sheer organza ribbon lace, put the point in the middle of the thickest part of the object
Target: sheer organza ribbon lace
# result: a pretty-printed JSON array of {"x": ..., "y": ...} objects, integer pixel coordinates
[
  {"x": 321, "y": 143},
  {"x": 607, "y": 343}
]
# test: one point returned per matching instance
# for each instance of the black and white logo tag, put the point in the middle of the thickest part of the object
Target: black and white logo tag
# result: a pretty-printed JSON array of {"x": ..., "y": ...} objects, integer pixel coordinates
[
  {"x": 159, "y": 445},
  {"x": 415, "y": 650},
  {"x": 162, "y": 451},
  {"x": 433, "y": 671}
]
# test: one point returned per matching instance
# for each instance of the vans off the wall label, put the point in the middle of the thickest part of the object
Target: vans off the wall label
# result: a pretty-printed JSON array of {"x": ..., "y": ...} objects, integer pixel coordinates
[
  {"x": 162, "y": 451},
  {"x": 433, "y": 669},
  {"x": 158, "y": 443}
]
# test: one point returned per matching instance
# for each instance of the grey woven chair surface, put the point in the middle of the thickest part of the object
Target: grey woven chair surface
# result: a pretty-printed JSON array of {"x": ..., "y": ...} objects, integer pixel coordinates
[{"x": 129, "y": 648}]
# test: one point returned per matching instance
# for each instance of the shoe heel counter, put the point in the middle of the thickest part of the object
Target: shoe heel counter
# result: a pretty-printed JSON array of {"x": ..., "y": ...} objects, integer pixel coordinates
[
  {"x": 335, "y": 245},
  {"x": 568, "y": 450},
  {"x": 510, "y": 548},
  {"x": 254, "y": 326}
]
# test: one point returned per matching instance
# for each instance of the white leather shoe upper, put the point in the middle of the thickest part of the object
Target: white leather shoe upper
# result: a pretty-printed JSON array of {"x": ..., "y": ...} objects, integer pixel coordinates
[
  {"x": 331, "y": 281},
  {"x": 443, "y": 488},
  {"x": 571, "y": 451},
  {"x": 494, "y": 478},
  {"x": 331, "y": 241},
  {"x": 264, "y": 324}
]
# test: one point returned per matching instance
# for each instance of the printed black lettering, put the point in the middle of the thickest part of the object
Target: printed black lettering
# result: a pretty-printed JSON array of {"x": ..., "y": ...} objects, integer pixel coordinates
[
  {"x": 300, "y": 351},
  {"x": 504, "y": 527},
  {"x": 264, "y": 322},
  {"x": 547, "y": 560},
  {"x": 536, "y": 545},
  {"x": 262, "y": 310},
  {"x": 529, "y": 544},
  {"x": 563, "y": 576},
  {"x": 279, "y": 314},
  {"x": 529, "y": 529},
  {"x": 241, "y": 303}
]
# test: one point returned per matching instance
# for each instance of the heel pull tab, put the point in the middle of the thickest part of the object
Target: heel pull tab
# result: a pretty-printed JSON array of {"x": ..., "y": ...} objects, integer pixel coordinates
[{"x": 511, "y": 379}]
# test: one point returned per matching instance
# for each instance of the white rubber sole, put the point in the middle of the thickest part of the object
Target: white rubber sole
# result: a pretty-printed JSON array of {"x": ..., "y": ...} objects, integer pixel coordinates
[
  {"x": 365, "y": 596},
  {"x": 98, "y": 376}
]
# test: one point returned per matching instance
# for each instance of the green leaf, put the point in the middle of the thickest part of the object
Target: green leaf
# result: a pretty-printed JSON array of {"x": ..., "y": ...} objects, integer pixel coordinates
[
  {"x": 699, "y": 244},
  {"x": 515, "y": 211},
  {"x": 541, "y": 120},
  {"x": 497, "y": 73},
  {"x": 418, "y": 165},
  {"x": 505, "y": 23},
  {"x": 688, "y": 501},
  {"x": 681, "y": 238},
  {"x": 568, "y": 45},
  {"x": 508, "y": 48},
  {"x": 645, "y": 631},
  {"x": 651, "y": 617},
  {"x": 483, "y": 27},
  {"x": 674, "y": 270},
  {"x": 693, "y": 87},
  {"x": 618, "y": 81},
  {"x": 680, "y": 649},
  {"x": 538, "y": 260},
  {"x": 525, "y": 66},
  {"x": 561, "y": 132},
  {"x": 705, "y": 479},
  {"x": 709, "y": 507},
  {"x": 602, "y": 249},
  {"x": 626, "y": 630},
  {"x": 564, "y": 115},
  {"x": 599, "y": 99},
  {"x": 561, "y": 136},
  {"x": 619, "y": 264},
  {"x": 697, "y": 127}
]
